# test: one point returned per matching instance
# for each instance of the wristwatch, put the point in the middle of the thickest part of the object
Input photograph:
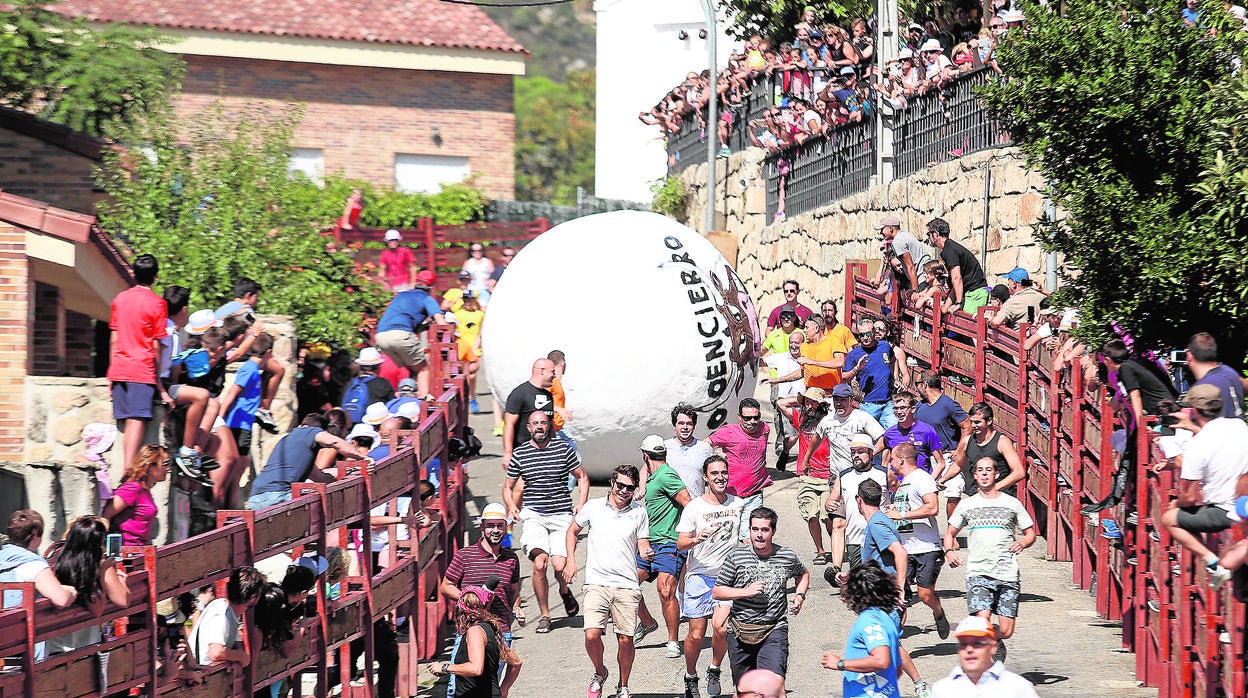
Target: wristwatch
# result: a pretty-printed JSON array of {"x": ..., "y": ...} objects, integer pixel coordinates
[
  {"x": 840, "y": 665},
  {"x": 445, "y": 668},
  {"x": 802, "y": 594}
]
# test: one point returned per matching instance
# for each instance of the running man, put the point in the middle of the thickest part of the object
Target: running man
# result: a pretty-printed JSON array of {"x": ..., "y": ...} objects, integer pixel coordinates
[
  {"x": 708, "y": 531},
  {"x": 992, "y": 578}
]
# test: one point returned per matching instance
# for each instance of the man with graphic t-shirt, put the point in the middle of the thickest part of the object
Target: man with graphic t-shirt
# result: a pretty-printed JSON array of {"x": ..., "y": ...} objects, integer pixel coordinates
[
  {"x": 915, "y": 506},
  {"x": 969, "y": 285},
  {"x": 137, "y": 322},
  {"x": 871, "y": 362},
  {"x": 745, "y": 446},
  {"x": 1202, "y": 361},
  {"x": 992, "y": 580},
  {"x": 531, "y": 396},
  {"x": 708, "y": 531}
]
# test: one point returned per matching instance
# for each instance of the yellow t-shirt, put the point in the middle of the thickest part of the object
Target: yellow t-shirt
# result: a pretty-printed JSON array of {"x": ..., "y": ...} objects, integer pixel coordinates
[
  {"x": 824, "y": 350},
  {"x": 468, "y": 327},
  {"x": 455, "y": 297},
  {"x": 844, "y": 335}
]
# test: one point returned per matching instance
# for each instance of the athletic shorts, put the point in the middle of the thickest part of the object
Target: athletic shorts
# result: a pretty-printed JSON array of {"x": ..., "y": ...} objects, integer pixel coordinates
[
  {"x": 1205, "y": 518},
  {"x": 974, "y": 300},
  {"x": 992, "y": 595},
  {"x": 133, "y": 400},
  {"x": 696, "y": 600},
  {"x": 666, "y": 559},
  {"x": 924, "y": 569},
  {"x": 242, "y": 437},
  {"x": 620, "y": 604},
  {"x": 812, "y": 492},
  {"x": 406, "y": 348},
  {"x": 545, "y": 532},
  {"x": 853, "y": 554},
  {"x": 954, "y": 488}
]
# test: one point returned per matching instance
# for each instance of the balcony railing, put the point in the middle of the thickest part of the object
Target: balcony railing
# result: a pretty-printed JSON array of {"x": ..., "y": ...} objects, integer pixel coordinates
[
  {"x": 945, "y": 124},
  {"x": 688, "y": 146},
  {"x": 821, "y": 170}
]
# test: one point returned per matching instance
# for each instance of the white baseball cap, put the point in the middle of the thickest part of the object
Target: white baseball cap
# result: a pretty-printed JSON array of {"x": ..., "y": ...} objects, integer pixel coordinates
[
  {"x": 653, "y": 444},
  {"x": 393, "y": 234},
  {"x": 376, "y": 413},
  {"x": 369, "y": 356}
]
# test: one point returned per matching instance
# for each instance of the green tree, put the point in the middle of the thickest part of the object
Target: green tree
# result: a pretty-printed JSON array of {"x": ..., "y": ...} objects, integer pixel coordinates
[
  {"x": 91, "y": 80},
  {"x": 1137, "y": 125},
  {"x": 224, "y": 206},
  {"x": 774, "y": 19},
  {"x": 554, "y": 137}
]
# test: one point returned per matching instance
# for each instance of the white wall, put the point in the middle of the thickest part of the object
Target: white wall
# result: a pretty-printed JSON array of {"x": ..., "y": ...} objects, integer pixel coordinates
[{"x": 640, "y": 58}]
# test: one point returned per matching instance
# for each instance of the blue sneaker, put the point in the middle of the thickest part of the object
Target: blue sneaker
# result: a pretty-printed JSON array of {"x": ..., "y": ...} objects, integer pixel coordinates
[
  {"x": 1111, "y": 530},
  {"x": 472, "y": 405}
]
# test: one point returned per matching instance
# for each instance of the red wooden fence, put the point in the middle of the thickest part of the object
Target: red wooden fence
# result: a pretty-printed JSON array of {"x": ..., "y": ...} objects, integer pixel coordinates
[
  {"x": 319, "y": 515},
  {"x": 1063, "y": 429}
]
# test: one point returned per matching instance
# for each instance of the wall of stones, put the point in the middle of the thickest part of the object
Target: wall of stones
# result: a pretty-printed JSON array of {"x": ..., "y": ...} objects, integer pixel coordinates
[
  {"x": 60, "y": 486},
  {"x": 813, "y": 247}
]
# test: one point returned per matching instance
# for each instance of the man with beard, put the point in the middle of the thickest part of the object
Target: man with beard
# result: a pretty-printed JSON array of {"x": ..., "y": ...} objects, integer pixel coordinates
[
  {"x": 814, "y": 475},
  {"x": 475, "y": 564}
]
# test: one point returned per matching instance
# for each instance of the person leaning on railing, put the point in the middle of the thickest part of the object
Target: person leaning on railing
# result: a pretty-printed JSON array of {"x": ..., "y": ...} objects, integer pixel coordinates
[
  {"x": 20, "y": 563},
  {"x": 80, "y": 562}
]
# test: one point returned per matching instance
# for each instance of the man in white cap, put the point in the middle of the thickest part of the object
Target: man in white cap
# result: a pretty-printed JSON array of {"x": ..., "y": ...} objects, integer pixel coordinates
[
  {"x": 366, "y": 388},
  {"x": 476, "y": 564},
  {"x": 666, "y": 497},
  {"x": 398, "y": 263},
  {"x": 977, "y": 673}
]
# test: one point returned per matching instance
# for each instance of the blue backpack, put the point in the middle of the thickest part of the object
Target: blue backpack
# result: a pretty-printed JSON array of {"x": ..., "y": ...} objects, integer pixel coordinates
[{"x": 355, "y": 397}]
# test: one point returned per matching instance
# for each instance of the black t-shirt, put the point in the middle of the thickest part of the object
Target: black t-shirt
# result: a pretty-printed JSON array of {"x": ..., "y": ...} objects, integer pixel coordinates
[
  {"x": 485, "y": 684},
  {"x": 1148, "y": 378},
  {"x": 524, "y": 401},
  {"x": 955, "y": 255},
  {"x": 498, "y": 272},
  {"x": 380, "y": 390}
]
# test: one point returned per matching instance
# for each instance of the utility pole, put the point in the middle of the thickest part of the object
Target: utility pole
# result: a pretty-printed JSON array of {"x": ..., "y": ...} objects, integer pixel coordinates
[
  {"x": 712, "y": 117},
  {"x": 886, "y": 37}
]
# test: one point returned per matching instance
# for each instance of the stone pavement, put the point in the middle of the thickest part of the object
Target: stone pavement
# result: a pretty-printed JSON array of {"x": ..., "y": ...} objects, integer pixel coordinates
[{"x": 1060, "y": 644}]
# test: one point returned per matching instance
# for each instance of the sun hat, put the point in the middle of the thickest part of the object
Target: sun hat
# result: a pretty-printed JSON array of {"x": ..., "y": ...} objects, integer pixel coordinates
[
  {"x": 369, "y": 356},
  {"x": 393, "y": 234},
  {"x": 201, "y": 320},
  {"x": 376, "y": 413}
]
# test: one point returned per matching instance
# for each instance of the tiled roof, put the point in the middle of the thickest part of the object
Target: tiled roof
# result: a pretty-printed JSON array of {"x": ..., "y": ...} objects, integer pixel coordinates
[
  {"x": 67, "y": 225},
  {"x": 400, "y": 22}
]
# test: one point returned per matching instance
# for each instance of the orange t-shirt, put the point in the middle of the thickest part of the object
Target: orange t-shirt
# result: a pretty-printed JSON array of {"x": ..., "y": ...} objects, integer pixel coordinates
[
  {"x": 556, "y": 392},
  {"x": 824, "y": 350}
]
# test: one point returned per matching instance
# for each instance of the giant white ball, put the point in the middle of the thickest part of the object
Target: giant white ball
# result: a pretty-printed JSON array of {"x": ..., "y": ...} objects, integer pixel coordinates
[{"x": 649, "y": 314}]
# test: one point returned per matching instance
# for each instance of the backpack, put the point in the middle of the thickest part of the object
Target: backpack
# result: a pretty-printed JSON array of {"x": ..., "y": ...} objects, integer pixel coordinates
[{"x": 355, "y": 397}]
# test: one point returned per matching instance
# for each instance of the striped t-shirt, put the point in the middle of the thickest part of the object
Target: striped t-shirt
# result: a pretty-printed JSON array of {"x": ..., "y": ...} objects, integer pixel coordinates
[
  {"x": 545, "y": 473},
  {"x": 743, "y": 567}
]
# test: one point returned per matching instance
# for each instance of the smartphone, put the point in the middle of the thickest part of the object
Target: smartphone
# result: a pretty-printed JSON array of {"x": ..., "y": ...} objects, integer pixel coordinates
[
  {"x": 1178, "y": 356},
  {"x": 112, "y": 546}
]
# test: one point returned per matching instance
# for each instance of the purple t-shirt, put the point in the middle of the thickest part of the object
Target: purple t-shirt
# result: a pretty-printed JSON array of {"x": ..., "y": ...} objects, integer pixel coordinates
[
  {"x": 1224, "y": 378},
  {"x": 747, "y": 458},
  {"x": 924, "y": 438}
]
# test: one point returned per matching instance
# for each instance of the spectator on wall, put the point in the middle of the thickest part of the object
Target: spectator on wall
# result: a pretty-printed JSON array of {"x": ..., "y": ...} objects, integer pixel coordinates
[{"x": 398, "y": 263}]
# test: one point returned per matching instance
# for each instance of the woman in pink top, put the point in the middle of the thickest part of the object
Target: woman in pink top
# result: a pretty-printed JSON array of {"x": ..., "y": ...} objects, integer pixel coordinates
[{"x": 132, "y": 510}]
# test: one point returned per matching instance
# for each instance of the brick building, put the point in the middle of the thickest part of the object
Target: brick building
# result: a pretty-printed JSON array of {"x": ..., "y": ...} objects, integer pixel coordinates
[{"x": 404, "y": 93}]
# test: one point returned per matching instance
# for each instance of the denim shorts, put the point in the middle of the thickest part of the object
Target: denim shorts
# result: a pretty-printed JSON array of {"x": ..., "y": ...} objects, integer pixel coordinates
[
  {"x": 256, "y": 502},
  {"x": 666, "y": 559}
]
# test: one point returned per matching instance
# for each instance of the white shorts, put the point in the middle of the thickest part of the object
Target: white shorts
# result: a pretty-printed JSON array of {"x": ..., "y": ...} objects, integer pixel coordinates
[
  {"x": 696, "y": 601},
  {"x": 955, "y": 487},
  {"x": 545, "y": 532}
]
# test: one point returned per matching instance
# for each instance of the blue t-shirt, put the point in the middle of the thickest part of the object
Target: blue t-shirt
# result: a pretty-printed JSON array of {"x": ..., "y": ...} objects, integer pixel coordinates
[
  {"x": 291, "y": 461},
  {"x": 924, "y": 438},
  {"x": 876, "y": 378},
  {"x": 873, "y": 628},
  {"x": 242, "y": 412},
  {"x": 1190, "y": 15},
  {"x": 408, "y": 312},
  {"x": 880, "y": 534},
  {"x": 379, "y": 452},
  {"x": 1225, "y": 379},
  {"x": 394, "y": 405},
  {"x": 944, "y": 416}
]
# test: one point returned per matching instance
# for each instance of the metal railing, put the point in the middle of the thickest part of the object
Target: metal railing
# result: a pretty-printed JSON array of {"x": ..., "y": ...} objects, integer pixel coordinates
[
  {"x": 821, "y": 170},
  {"x": 944, "y": 124},
  {"x": 688, "y": 145}
]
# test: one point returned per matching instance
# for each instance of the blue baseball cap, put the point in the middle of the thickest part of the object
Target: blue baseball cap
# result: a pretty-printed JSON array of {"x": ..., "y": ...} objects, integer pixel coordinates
[
  {"x": 1017, "y": 275},
  {"x": 1241, "y": 507},
  {"x": 842, "y": 390}
]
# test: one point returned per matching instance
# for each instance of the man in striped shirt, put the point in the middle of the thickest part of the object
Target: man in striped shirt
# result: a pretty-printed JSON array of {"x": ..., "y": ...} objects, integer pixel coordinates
[{"x": 545, "y": 464}]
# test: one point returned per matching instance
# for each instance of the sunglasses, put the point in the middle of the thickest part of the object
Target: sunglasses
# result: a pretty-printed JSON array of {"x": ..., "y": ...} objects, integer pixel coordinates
[
  {"x": 623, "y": 487},
  {"x": 963, "y": 644},
  {"x": 751, "y": 418}
]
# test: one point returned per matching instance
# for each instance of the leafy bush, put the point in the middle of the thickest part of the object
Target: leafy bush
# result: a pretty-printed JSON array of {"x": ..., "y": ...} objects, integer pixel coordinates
[{"x": 671, "y": 197}]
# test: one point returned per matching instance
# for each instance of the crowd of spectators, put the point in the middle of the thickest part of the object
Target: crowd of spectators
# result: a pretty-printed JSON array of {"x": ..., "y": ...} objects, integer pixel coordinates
[{"x": 824, "y": 76}]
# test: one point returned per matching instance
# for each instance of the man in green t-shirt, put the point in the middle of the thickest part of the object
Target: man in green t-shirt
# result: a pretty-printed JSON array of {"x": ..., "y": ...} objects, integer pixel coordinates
[{"x": 666, "y": 496}]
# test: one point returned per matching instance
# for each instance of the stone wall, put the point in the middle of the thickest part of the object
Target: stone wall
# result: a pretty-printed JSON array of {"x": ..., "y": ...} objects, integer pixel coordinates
[
  {"x": 813, "y": 247},
  {"x": 57, "y": 484}
]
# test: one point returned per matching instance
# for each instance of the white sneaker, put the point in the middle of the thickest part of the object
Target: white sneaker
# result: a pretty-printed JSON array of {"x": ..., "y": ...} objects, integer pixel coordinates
[
  {"x": 673, "y": 649},
  {"x": 1218, "y": 575},
  {"x": 622, "y": 692},
  {"x": 595, "y": 686}
]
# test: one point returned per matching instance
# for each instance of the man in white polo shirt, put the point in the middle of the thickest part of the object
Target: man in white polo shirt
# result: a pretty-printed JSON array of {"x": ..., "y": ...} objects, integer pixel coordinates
[{"x": 619, "y": 531}]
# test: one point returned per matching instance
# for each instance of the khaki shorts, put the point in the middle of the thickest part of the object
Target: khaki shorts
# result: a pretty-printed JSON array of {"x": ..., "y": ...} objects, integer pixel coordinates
[
  {"x": 812, "y": 492},
  {"x": 406, "y": 348},
  {"x": 620, "y": 604}
]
